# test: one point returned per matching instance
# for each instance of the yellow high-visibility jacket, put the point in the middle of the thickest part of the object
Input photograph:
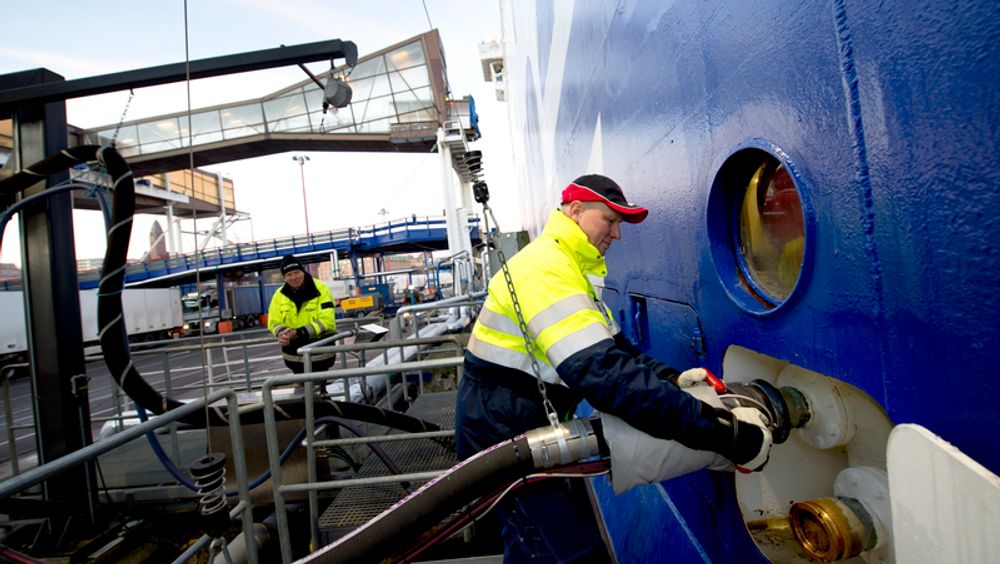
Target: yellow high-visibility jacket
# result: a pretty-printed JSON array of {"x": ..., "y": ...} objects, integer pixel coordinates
[
  {"x": 579, "y": 350},
  {"x": 310, "y": 308},
  {"x": 563, "y": 314}
]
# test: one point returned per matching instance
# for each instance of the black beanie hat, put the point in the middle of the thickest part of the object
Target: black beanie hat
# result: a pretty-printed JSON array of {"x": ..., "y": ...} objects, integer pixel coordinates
[{"x": 290, "y": 263}]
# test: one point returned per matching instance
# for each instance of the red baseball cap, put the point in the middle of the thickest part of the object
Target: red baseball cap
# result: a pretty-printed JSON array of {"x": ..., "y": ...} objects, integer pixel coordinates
[{"x": 597, "y": 188}]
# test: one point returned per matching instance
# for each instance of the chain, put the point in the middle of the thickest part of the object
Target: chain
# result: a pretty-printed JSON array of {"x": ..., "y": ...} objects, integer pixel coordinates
[
  {"x": 529, "y": 342},
  {"x": 114, "y": 138}
]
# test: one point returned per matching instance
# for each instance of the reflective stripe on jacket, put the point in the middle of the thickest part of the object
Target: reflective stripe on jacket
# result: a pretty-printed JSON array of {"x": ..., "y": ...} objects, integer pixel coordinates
[
  {"x": 557, "y": 301},
  {"x": 315, "y": 314},
  {"x": 577, "y": 345}
]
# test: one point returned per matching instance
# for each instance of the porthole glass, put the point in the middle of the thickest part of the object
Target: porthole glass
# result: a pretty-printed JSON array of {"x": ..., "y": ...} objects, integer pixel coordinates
[
  {"x": 771, "y": 231},
  {"x": 761, "y": 228}
]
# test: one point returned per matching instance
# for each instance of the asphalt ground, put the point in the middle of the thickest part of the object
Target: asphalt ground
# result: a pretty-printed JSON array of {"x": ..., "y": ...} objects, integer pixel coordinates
[{"x": 188, "y": 371}]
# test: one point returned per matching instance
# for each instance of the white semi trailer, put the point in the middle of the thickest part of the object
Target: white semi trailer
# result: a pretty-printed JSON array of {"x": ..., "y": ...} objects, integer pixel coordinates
[{"x": 149, "y": 314}]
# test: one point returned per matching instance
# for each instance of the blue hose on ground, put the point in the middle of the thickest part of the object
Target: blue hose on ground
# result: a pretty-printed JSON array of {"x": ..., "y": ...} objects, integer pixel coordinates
[
  {"x": 181, "y": 478},
  {"x": 170, "y": 467}
]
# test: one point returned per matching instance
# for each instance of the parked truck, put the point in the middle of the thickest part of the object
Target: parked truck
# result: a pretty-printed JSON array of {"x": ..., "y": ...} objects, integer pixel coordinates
[
  {"x": 200, "y": 312},
  {"x": 150, "y": 314},
  {"x": 245, "y": 304},
  {"x": 243, "y": 307}
]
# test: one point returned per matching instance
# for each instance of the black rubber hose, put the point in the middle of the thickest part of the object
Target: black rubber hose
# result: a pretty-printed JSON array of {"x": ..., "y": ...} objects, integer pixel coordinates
[
  {"x": 374, "y": 447},
  {"x": 386, "y": 535},
  {"x": 33, "y": 174},
  {"x": 392, "y": 535},
  {"x": 113, "y": 335}
]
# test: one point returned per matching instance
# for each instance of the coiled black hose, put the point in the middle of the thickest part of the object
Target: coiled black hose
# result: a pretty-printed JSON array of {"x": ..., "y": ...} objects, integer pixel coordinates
[{"x": 112, "y": 332}]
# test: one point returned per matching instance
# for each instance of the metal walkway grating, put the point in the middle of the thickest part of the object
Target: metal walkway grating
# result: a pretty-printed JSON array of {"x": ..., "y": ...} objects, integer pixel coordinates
[{"x": 356, "y": 505}]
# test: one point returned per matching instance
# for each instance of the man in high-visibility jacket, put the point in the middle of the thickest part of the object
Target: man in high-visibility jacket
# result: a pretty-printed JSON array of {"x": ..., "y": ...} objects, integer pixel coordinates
[
  {"x": 301, "y": 312},
  {"x": 580, "y": 354}
]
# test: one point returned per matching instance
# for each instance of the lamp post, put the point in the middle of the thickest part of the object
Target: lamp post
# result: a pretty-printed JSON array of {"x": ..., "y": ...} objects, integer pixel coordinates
[{"x": 301, "y": 159}]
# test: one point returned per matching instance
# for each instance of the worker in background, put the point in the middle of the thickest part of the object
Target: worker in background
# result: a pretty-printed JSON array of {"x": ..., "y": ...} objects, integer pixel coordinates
[
  {"x": 581, "y": 354},
  {"x": 301, "y": 312}
]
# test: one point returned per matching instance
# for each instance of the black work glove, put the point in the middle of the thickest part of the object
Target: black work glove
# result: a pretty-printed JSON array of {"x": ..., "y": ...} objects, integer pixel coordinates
[{"x": 750, "y": 445}]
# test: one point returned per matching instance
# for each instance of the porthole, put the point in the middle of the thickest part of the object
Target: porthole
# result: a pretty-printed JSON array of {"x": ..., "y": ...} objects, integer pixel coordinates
[
  {"x": 759, "y": 223},
  {"x": 772, "y": 233}
]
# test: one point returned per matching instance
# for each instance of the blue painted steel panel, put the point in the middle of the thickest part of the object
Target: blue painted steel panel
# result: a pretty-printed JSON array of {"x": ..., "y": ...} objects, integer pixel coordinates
[{"x": 885, "y": 112}]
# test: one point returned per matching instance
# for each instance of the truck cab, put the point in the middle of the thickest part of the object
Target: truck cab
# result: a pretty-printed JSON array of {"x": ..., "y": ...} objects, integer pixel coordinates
[{"x": 200, "y": 312}]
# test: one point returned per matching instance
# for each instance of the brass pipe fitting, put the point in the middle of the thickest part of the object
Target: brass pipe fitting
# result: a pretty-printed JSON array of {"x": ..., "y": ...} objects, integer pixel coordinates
[{"x": 831, "y": 529}]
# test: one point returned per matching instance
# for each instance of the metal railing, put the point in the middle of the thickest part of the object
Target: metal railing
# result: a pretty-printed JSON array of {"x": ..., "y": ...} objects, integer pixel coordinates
[
  {"x": 52, "y": 469},
  {"x": 271, "y": 436},
  {"x": 320, "y": 347},
  {"x": 217, "y": 374},
  {"x": 345, "y": 374},
  {"x": 396, "y": 325},
  {"x": 262, "y": 251},
  {"x": 362, "y": 348}
]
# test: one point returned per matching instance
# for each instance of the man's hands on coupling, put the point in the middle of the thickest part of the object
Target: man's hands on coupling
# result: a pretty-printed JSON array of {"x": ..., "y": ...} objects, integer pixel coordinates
[
  {"x": 755, "y": 417},
  {"x": 752, "y": 440}
]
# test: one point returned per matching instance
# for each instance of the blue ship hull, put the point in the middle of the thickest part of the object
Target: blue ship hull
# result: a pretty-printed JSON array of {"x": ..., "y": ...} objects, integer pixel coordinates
[{"x": 885, "y": 116}]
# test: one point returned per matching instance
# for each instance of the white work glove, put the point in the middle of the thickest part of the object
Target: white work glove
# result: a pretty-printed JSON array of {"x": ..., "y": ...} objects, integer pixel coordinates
[
  {"x": 757, "y": 418},
  {"x": 691, "y": 377},
  {"x": 638, "y": 458}
]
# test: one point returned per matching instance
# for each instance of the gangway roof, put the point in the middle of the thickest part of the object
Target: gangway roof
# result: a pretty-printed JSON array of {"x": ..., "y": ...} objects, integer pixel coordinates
[
  {"x": 400, "y": 101},
  {"x": 400, "y": 98}
]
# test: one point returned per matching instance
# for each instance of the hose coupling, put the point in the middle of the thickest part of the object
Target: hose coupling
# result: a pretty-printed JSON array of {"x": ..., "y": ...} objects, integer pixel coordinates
[{"x": 569, "y": 442}]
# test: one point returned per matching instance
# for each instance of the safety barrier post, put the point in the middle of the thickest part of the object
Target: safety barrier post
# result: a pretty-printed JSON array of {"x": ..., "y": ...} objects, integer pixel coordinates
[
  {"x": 246, "y": 364},
  {"x": 168, "y": 385},
  {"x": 307, "y": 364},
  {"x": 9, "y": 416}
]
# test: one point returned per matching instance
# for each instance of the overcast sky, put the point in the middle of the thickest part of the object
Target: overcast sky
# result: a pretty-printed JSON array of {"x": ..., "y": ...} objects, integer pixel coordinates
[{"x": 81, "y": 39}]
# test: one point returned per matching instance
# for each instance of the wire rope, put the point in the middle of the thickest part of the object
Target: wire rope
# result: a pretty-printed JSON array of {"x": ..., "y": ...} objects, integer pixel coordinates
[
  {"x": 205, "y": 366},
  {"x": 428, "y": 14}
]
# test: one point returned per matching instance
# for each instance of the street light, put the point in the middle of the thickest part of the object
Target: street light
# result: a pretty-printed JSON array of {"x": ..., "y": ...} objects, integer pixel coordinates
[{"x": 301, "y": 159}]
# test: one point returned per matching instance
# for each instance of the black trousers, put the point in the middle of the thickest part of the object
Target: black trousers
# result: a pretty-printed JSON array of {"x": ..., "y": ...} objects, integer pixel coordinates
[{"x": 317, "y": 365}]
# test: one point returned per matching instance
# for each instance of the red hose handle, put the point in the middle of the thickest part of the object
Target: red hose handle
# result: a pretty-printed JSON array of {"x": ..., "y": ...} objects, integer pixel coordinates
[{"x": 718, "y": 385}]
